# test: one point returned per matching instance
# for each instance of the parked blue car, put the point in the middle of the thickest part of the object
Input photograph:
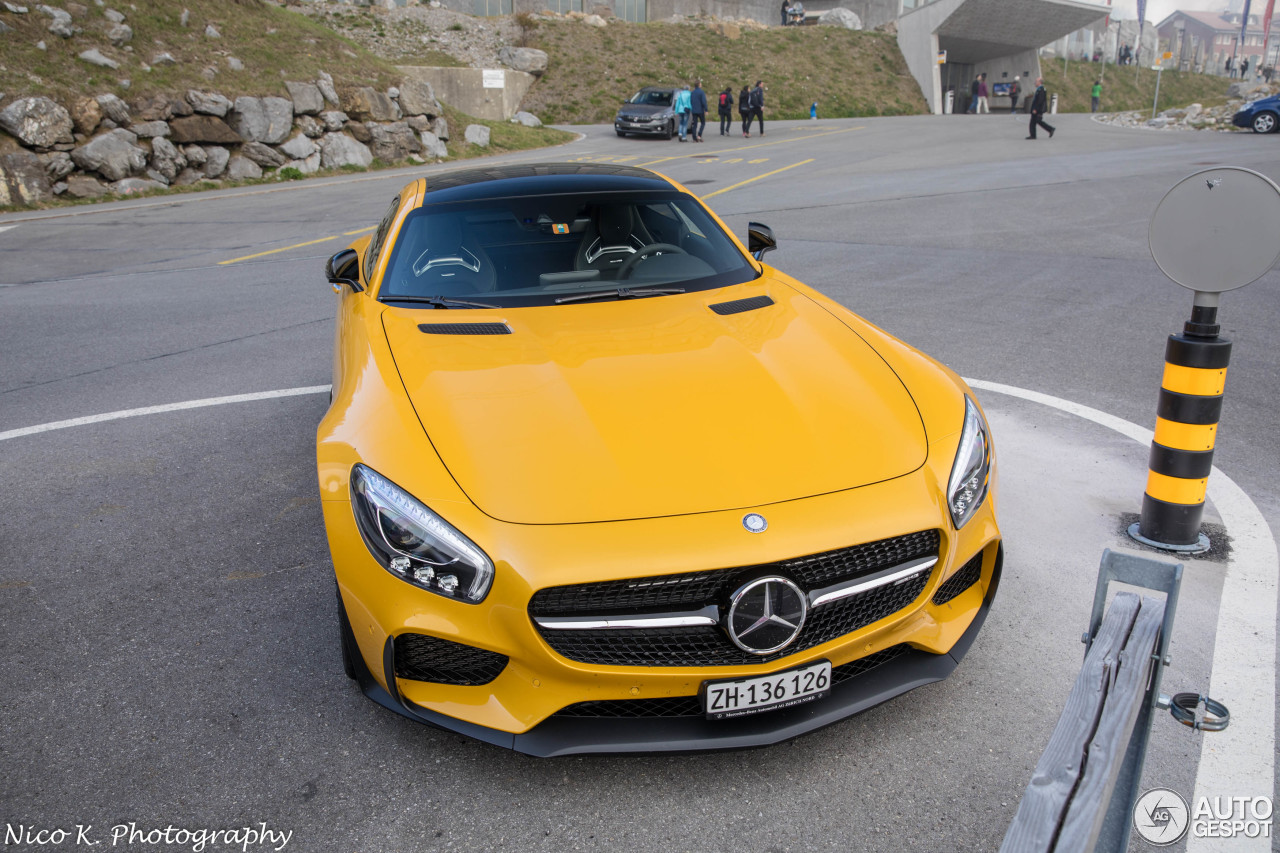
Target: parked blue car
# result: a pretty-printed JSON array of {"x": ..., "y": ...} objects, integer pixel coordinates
[{"x": 1263, "y": 115}]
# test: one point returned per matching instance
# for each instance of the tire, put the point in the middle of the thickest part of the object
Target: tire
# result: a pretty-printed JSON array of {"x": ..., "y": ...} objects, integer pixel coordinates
[
  {"x": 670, "y": 131},
  {"x": 1265, "y": 123},
  {"x": 347, "y": 640}
]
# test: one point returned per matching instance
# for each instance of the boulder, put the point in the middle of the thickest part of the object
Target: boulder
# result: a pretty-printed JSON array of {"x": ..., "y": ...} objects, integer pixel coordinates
[
  {"x": 195, "y": 155},
  {"x": 241, "y": 168},
  {"x": 1242, "y": 88},
  {"x": 163, "y": 58},
  {"x": 477, "y": 134},
  {"x": 61, "y": 23},
  {"x": 203, "y": 128},
  {"x": 166, "y": 158},
  {"x": 433, "y": 146},
  {"x": 187, "y": 177},
  {"x": 418, "y": 98},
  {"x": 208, "y": 103},
  {"x": 133, "y": 186},
  {"x": 526, "y": 119},
  {"x": 234, "y": 64},
  {"x": 264, "y": 155},
  {"x": 527, "y": 59},
  {"x": 338, "y": 150},
  {"x": 15, "y": 8},
  {"x": 114, "y": 155},
  {"x": 37, "y": 122},
  {"x": 324, "y": 83},
  {"x": 113, "y": 16},
  {"x": 85, "y": 186},
  {"x": 393, "y": 142},
  {"x": 23, "y": 179},
  {"x": 266, "y": 120},
  {"x": 93, "y": 56},
  {"x": 307, "y": 166},
  {"x": 120, "y": 34},
  {"x": 149, "y": 129},
  {"x": 115, "y": 109},
  {"x": 595, "y": 21},
  {"x": 310, "y": 126},
  {"x": 211, "y": 32},
  {"x": 216, "y": 161},
  {"x": 840, "y": 17},
  {"x": 179, "y": 107},
  {"x": 368, "y": 104},
  {"x": 306, "y": 98},
  {"x": 1193, "y": 111},
  {"x": 57, "y": 165},
  {"x": 419, "y": 123},
  {"x": 151, "y": 109},
  {"x": 440, "y": 127},
  {"x": 299, "y": 147},
  {"x": 360, "y": 131},
  {"x": 334, "y": 120}
]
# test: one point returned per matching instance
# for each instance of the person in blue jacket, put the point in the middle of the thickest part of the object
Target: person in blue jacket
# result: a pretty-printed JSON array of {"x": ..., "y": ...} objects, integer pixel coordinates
[
  {"x": 698, "y": 106},
  {"x": 681, "y": 106}
]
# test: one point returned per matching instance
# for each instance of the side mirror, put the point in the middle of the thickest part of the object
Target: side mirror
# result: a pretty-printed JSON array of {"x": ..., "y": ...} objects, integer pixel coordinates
[
  {"x": 760, "y": 239},
  {"x": 344, "y": 268}
]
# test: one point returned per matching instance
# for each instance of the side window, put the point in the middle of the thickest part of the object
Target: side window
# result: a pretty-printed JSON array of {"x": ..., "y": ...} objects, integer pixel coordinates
[{"x": 379, "y": 238}]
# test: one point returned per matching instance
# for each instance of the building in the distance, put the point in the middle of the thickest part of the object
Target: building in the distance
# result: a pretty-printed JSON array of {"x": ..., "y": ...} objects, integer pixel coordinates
[
  {"x": 1204, "y": 41},
  {"x": 946, "y": 43}
]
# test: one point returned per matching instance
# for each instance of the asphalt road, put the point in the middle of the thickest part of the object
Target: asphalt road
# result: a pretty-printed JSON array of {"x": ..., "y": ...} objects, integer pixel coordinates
[{"x": 167, "y": 645}]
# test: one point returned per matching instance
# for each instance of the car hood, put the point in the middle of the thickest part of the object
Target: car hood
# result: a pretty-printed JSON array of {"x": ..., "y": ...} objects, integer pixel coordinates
[
  {"x": 654, "y": 407},
  {"x": 642, "y": 110}
]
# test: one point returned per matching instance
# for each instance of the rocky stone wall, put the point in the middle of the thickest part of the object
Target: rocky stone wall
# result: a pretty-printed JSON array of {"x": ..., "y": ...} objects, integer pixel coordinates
[{"x": 103, "y": 144}]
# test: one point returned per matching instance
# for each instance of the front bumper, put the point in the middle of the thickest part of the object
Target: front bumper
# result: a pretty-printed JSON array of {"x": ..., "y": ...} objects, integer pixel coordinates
[
  {"x": 557, "y": 735},
  {"x": 655, "y": 128},
  {"x": 1242, "y": 119}
]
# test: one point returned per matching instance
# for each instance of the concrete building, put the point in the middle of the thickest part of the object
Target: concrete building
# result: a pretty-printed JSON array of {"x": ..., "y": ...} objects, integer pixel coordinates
[
  {"x": 1215, "y": 36},
  {"x": 999, "y": 37}
]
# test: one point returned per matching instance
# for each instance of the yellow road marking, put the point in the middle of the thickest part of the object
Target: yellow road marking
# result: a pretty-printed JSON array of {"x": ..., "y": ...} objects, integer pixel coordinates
[
  {"x": 756, "y": 178},
  {"x": 358, "y": 231},
  {"x": 275, "y": 251},
  {"x": 734, "y": 160},
  {"x": 761, "y": 160}
]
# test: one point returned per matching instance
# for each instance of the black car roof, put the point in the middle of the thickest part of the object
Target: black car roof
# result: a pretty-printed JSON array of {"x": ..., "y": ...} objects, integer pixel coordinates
[{"x": 539, "y": 179}]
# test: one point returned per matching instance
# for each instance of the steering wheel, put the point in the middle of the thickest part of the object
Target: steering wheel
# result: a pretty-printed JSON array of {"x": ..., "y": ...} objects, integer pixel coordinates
[{"x": 624, "y": 271}]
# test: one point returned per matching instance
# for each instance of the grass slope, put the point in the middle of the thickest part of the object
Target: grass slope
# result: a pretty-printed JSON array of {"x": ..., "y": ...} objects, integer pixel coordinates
[
  {"x": 592, "y": 70},
  {"x": 1128, "y": 87}
]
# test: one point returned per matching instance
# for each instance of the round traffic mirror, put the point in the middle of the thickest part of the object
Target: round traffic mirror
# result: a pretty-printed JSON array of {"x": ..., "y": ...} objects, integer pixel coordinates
[{"x": 1217, "y": 230}]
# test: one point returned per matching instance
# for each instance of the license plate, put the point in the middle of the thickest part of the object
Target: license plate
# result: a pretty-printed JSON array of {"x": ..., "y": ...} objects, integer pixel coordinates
[{"x": 722, "y": 700}]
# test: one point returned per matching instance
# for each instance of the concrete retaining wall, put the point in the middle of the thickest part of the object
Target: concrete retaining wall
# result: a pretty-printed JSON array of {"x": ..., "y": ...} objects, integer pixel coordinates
[{"x": 465, "y": 89}]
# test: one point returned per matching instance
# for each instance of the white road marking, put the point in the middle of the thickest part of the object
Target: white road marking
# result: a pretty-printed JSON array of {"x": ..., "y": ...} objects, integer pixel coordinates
[
  {"x": 7, "y": 227},
  {"x": 1241, "y": 760},
  {"x": 1237, "y": 762},
  {"x": 168, "y": 407}
]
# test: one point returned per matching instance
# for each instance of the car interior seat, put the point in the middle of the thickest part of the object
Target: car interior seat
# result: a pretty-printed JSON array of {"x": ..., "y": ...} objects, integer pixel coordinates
[
  {"x": 610, "y": 240},
  {"x": 447, "y": 260}
]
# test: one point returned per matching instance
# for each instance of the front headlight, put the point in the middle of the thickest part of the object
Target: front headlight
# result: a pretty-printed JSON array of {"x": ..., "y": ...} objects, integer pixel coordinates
[
  {"x": 415, "y": 544},
  {"x": 971, "y": 472}
]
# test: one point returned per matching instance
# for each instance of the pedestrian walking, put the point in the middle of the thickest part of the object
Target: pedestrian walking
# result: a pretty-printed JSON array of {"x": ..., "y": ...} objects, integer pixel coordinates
[
  {"x": 725, "y": 110},
  {"x": 698, "y": 107},
  {"x": 1244, "y": 68},
  {"x": 757, "y": 104},
  {"x": 973, "y": 96},
  {"x": 1039, "y": 103},
  {"x": 1095, "y": 96},
  {"x": 1014, "y": 89},
  {"x": 984, "y": 106},
  {"x": 786, "y": 8},
  {"x": 744, "y": 110},
  {"x": 682, "y": 107}
]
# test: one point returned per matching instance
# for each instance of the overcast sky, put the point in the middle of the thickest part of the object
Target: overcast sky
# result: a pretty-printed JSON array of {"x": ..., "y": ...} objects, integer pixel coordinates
[{"x": 1158, "y": 10}]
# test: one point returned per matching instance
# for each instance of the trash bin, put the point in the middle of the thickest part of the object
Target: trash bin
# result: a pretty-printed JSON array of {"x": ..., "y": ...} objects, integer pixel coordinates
[{"x": 949, "y": 102}]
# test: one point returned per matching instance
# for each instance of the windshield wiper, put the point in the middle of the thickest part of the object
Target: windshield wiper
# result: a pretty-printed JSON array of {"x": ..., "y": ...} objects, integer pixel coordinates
[
  {"x": 621, "y": 293},
  {"x": 439, "y": 301}
]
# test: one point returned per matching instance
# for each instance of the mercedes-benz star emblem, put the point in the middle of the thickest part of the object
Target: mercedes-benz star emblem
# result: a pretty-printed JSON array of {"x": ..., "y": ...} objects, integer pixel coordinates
[
  {"x": 766, "y": 615},
  {"x": 755, "y": 522}
]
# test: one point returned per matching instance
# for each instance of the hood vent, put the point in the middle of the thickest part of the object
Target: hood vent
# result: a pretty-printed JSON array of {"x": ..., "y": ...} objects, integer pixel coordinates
[
  {"x": 738, "y": 306},
  {"x": 465, "y": 328}
]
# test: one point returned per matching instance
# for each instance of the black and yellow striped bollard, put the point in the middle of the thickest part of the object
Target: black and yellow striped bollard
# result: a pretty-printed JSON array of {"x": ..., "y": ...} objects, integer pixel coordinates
[{"x": 1190, "y": 406}]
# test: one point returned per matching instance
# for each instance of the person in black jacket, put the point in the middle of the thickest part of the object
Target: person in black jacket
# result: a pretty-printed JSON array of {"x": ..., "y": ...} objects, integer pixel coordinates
[
  {"x": 757, "y": 104},
  {"x": 726, "y": 110},
  {"x": 1039, "y": 103},
  {"x": 744, "y": 110}
]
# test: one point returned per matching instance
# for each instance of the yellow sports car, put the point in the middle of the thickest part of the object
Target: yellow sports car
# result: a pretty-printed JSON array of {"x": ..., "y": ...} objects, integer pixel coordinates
[{"x": 596, "y": 479}]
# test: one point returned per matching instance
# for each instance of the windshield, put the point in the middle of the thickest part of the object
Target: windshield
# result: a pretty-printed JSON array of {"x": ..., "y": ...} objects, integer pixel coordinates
[
  {"x": 652, "y": 98},
  {"x": 536, "y": 250}
]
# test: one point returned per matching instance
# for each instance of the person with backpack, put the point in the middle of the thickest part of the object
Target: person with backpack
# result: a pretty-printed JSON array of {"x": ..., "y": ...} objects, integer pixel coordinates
[
  {"x": 757, "y": 104},
  {"x": 681, "y": 106},
  {"x": 698, "y": 105},
  {"x": 726, "y": 110},
  {"x": 744, "y": 110}
]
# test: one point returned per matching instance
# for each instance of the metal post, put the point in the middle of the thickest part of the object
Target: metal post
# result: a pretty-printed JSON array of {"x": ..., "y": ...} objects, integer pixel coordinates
[
  {"x": 1195, "y": 375},
  {"x": 1156, "y": 102}
]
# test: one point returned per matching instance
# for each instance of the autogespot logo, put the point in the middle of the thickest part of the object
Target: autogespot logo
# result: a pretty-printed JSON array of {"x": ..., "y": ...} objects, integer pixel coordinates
[{"x": 1161, "y": 816}]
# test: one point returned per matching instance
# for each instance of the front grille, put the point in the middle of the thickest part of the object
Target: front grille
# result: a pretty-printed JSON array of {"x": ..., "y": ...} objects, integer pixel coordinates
[
  {"x": 960, "y": 581},
  {"x": 708, "y": 645},
  {"x": 420, "y": 657},
  {"x": 691, "y": 706}
]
